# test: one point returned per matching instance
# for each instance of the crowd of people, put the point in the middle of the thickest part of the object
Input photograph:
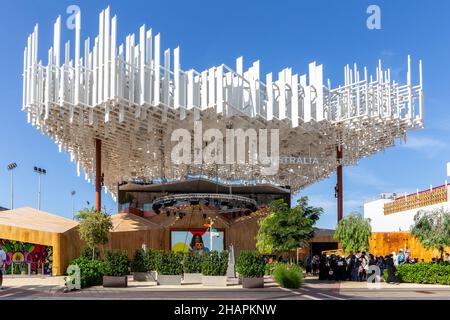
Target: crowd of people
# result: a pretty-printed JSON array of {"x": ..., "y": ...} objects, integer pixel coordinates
[{"x": 356, "y": 266}]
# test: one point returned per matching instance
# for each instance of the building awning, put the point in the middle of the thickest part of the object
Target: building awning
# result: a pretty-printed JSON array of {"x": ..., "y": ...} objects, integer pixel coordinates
[{"x": 33, "y": 219}]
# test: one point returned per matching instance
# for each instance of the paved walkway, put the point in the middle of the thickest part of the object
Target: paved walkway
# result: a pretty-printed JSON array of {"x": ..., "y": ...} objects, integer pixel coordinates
[{"x": 53, "y": 288}]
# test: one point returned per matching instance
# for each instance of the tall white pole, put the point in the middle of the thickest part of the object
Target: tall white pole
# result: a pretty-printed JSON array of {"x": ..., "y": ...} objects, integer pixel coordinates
[
  {"x": 210, "y": 234},
  {"x": 12, "y": 189},
  {"x": 39, "y": 192}
]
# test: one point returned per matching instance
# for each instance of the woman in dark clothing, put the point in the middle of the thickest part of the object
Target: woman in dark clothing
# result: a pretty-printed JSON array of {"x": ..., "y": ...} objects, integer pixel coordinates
[
  {"x": 308, "y": 265},
  {"x": 315, "y": 265},
  {"x": 340, "y": 269},
  {"x": 381, "y": 264},
  {"x": 332, "y": 270},
  {"x": 355, "y": 269},
  {"x": 391, "y": 278},
  {"x": 372, "y": 261},
  {"x": 350, "y": 265},
  {"x": 323, "y": 268}
]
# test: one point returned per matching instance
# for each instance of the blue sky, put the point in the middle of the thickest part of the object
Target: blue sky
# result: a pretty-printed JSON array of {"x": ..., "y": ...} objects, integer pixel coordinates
[{"x": 280, "y": 34}]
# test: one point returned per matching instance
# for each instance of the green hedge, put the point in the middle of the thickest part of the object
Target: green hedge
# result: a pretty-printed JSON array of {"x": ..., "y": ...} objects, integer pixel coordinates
[
  {"x": 116, "y": 263},
  {"x": 215, "y": 264},
  {"x": 250, "y": 264},
  {"x": 424, "y": 272},
  {"x": 288, "y": 276},
  {"x": 153, "y": 259},
  {"x": 170, "y": 264},
  {"x": 86, "y": 253},
  {"x": 138, "y": 264},
  {"x": 91, "y": 271},
  {"x": 192, "y": 263}
]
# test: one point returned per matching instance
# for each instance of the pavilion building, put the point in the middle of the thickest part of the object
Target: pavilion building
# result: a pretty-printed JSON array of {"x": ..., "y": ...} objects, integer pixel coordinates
[
  {"x": 120, "y": 110},
  {"x": 392, "y": 216}
]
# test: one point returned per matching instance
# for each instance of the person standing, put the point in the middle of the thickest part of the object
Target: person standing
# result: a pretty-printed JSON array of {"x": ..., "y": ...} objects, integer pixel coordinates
[
  {"x": 407, "y": 255},
  {"x": 2, "y": 264},
  {"x": 324, "y": 268},
  {"x": 315, "y": 265},
  {"x": 395, "y": 258},
  {"x": 308, "y": 265},
  {"x": 391, "y": 269},
  {"x": 364, "y": 266},
  {"x": 401, "y": 257},
  {"x": 447, "y": 257}
]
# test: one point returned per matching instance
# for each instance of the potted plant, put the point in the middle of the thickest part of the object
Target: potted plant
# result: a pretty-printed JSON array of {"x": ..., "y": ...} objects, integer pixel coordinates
[
  {"x": 251, "y": 267},
  {"x": 153, "y": 259},
  {"x": 116, "y": 269},
  {"x": 170, "y": 269},
  {"x": 214, "y": 269},
  {"x": 192, "y": 264},
  {"x": 139, "y": 268}
]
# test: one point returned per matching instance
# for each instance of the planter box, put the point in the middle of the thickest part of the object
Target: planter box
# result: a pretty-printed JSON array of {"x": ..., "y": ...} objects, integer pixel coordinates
[
  {"x": 249, "y": 283},
  {"x": 192, "y": 278},
  {"x": 144, "y": 276},
  {"x": 214, "y": 281},
  {"x": 169, "y": 280},
  {"x": 115, "y": 282}
]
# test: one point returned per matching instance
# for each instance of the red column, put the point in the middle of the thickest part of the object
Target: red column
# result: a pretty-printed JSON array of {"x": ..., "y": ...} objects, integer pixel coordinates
[
  {"x": 340, "y": 190},
  {"x": 98, "y": 174}
]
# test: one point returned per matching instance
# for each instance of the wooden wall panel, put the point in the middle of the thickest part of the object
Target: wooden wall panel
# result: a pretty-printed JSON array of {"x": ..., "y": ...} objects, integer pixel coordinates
[
  {"x": 384, "y": 243},
  {"x": 71, "y": 246},
  {"x": 241, "y": 235}
]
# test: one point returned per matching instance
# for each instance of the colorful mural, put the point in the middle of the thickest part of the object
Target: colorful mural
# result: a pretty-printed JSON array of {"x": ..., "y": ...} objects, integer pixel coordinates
[
  {"x": 20, "y": 255},
  {"x": 194, "y": 240}
]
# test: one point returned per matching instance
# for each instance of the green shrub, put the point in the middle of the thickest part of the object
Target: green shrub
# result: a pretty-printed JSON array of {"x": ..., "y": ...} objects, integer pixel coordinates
[
  {"x": 138, "y": 264},
  {"x": 215, "y": 264},
  {"x": 288, "y": 276},
  {"x": 192, "y": 263},
  {"x": 250, "y": 264},
  {"x": 424, "y": 272},
  {"x": 153, "y": 259},
  {"x": 385, "y": 275},
  {"x": 267, "y": 269},
  {"x": 116, "y": 263},
  {"x": 91, "y": 271},
  {"x": 171, "y": 263},
  {"x": 86, "y": 253}
]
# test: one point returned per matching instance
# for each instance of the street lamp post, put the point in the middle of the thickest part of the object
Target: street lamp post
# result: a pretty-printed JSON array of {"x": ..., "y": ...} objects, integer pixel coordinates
[
  {"x": 73, "y": 193},
  {"x": 40, "y": 172},
  {"x": 11, "y": 168}
]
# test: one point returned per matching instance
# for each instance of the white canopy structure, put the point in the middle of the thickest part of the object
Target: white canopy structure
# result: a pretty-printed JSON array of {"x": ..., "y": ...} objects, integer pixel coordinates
[{"x": 133, "y": 96}]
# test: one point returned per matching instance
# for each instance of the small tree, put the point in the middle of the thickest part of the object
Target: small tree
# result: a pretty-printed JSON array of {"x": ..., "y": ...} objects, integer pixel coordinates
[
  {"x": 285, "y": 229},
  {"x": 353, "y": 233},
  {"x": 94, "y": 227},
  {"x": 432, "y": 229}
]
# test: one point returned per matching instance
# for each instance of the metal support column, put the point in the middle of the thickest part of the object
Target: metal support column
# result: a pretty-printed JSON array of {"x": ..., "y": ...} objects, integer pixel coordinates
[
  {"x": 339, "y": 185},
  {"x": 98, "y": 174}
]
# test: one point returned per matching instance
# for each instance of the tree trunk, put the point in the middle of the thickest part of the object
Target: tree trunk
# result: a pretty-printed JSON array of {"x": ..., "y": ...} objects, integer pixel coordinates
[
  {"x": 441, "y": 250},
  {"x": 93, "y": 252}
]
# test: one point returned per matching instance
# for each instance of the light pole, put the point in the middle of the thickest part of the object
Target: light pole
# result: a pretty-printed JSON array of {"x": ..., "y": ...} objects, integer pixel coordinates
[
  {"x": 40, "y": 172},
  {"x": 73, "y": 193},
  {"x": 11, "y": 168}
]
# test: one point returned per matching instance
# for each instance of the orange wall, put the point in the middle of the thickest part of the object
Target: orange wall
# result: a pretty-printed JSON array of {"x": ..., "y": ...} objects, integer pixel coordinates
[{"x": 383, "y": 243}]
